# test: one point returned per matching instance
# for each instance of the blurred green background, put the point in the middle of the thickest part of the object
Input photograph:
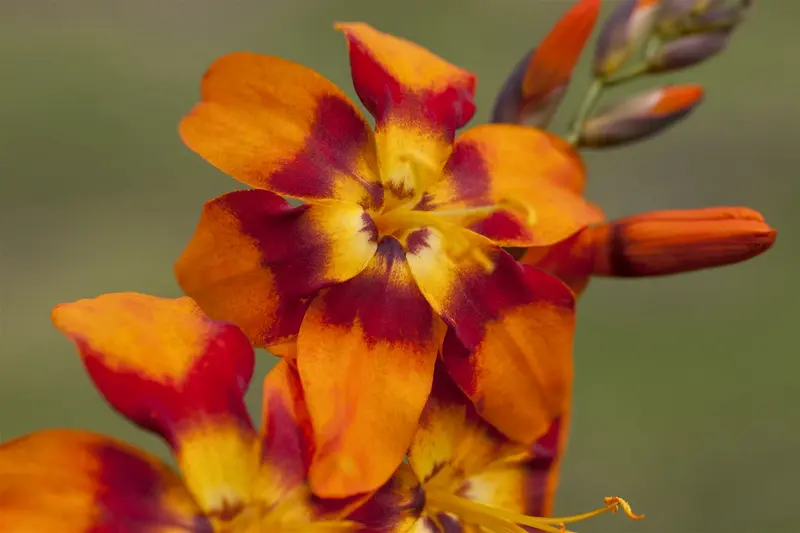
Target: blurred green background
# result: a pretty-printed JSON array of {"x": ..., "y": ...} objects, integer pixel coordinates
[{"x": 687, "y": 387}]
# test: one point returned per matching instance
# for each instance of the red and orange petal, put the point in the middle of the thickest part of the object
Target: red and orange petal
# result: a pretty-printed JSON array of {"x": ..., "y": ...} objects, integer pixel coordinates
[
  {"x": 255, "y": 260},
  {"x": 452, "y": 441},
  {"x": 276, "y": 125},
  {"x": 526, "y": 486},
  {"x": 418, "y": 101},
  {"x": 366, "y": 353},
  {"x": 509, "y": 347},
  {"x": 550, "y": 66},
  {"x": 393, "y": 75},
  {"x": 531, "y": 173},
  {"x": 170, "y": 369},
  {"x": 78, "y": 482}
]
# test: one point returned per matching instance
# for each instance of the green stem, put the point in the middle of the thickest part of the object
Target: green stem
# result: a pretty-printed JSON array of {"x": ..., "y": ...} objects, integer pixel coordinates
[
  {"x": 634, "y": 72},
  {"x": 587, "y": 106}
]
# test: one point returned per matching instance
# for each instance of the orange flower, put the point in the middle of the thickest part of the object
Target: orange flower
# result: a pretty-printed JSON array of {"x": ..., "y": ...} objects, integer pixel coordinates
[
  {"x": 462, "y": 475},
  {"x": 171, "y": 370},
  {"x": 396, "y": 257},
  {"x": 657, "y": 243}
]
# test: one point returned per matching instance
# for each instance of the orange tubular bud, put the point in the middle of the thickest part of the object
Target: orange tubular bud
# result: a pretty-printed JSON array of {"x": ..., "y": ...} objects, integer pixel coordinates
[
  {"x": 534, "y": 88},
  {"x": 669, "y": 242},
  {"x": 623, "y": 30},
  {"x": 640, "y": 116}
]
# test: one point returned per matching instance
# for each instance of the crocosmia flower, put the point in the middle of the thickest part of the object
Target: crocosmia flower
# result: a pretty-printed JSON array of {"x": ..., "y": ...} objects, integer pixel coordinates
[
  {"x": 397, "y": 254},
  {"x": 171, "y": 370},
  {"x": 463, "y": 475}
]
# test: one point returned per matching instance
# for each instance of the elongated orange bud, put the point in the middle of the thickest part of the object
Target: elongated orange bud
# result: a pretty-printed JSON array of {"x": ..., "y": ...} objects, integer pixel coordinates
[
  {"x": 623, "y": 30},
  {"x": 534, "y": 88},
  {"x": 669, "y": 242},
  {"x": 640, "y": 116}
]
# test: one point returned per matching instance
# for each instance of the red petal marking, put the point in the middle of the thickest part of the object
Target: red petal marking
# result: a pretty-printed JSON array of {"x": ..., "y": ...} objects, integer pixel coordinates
[
  {"x": 393, "y": 75},
  {"x": 366, "y": 353},
  {"x": 255, "y": 261},
  {"x": 70, "y": 481},
  {"x": 277, "y": 125}
]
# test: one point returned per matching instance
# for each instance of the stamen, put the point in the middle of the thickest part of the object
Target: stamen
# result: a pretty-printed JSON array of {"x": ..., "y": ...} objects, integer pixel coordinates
[
  {"x": 503, "y": 521},
  {"x": 415, "y": 168}
]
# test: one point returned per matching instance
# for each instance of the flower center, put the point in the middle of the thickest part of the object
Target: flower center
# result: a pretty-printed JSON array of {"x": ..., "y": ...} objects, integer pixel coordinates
[
  {"x": 502, "y": 521},
  {"x": 400, "y": 217}
]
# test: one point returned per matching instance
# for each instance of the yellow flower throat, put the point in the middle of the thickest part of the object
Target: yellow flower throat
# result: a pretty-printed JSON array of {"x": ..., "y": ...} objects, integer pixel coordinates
[{"x": 400, "y": 214}]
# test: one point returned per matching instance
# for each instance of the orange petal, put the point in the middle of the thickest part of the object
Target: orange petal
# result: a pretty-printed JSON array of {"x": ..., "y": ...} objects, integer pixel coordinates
[
  {"x": 509, "y": 347},
  {"x": 68, "y": 481},
  {"x": 287, "y": 349},
  {"x": 172, "y": 370},
  {"x": 418, "y": 101},
  {"x": 366, "y": 353},
  {"x": 276, "y": 125},
  {"x": 532, "y": 172},
  {"x": 254, "y": 260},
  {"x": 669, "y": 242}
]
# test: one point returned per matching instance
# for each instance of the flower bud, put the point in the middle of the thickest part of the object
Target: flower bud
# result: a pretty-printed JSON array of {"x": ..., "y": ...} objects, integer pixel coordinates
[
  {"x": 674, "y": 16},
  {"x": 684, "y": 17},
  {"x": 534, "y": 88},
  {"x": 640, "y": 116},
  {"x": 688, "y": 51},
  {"x": 668, "y": 242},
  {"x": 622, "y": 32}
]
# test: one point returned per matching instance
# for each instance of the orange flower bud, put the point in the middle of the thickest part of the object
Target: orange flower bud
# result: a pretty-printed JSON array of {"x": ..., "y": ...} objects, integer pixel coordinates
[
  {"x": 623, "y": 30},
  {"x": 669, "y": 242},
  {"x": 688, "y": 51},
  {"x": 534, "y": 88},
  {"x": 640, "y": 116}
]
